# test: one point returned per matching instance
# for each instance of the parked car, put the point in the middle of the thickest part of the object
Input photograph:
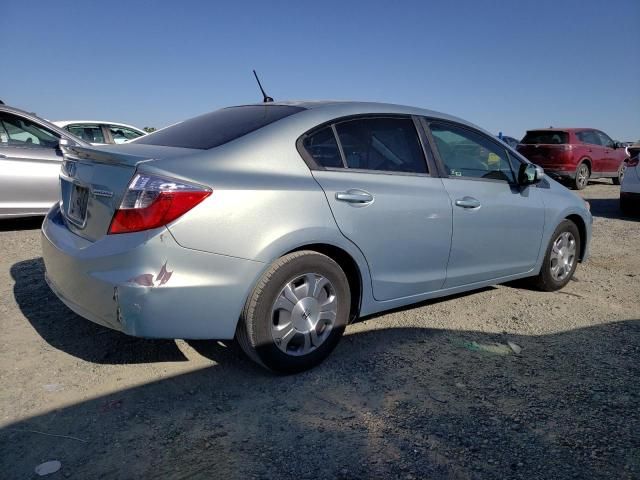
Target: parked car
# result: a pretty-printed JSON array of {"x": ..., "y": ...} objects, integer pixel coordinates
[
  {"x": 101, "y": 133},
  {"x": 574, "y": 154},
  {"x": 279, "y": 223},
  {"x": 630, "y": 188},
  {"x": 512, "y": 142},
  {"x": 30, "y": 160}
]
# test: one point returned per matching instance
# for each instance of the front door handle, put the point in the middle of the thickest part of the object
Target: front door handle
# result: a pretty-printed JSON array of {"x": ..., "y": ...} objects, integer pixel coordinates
[
  {"x": 354, "y": 196},
  {"x": 468, "y": 202}
]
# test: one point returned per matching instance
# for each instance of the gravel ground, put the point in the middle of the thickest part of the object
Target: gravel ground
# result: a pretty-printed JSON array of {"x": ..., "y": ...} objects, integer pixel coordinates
[{"x": 433, "y": 391}]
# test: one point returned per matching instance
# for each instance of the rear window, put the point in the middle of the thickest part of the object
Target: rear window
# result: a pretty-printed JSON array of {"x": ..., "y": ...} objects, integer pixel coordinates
[
  {"x": 217, "y": 128},
  {"x": 546, "y": 136}
]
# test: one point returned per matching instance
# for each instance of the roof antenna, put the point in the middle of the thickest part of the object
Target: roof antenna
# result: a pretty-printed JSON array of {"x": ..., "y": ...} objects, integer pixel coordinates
[{"x": 265, "y": 98}]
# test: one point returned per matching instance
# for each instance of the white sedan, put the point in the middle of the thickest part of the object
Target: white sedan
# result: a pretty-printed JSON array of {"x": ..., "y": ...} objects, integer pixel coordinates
[
  {"x": 630, "y": 187},
  {"x": 100, "y": 132}
]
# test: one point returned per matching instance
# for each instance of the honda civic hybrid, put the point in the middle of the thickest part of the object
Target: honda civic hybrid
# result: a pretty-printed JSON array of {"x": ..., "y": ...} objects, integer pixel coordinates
[{"x": 279, "y": 223}]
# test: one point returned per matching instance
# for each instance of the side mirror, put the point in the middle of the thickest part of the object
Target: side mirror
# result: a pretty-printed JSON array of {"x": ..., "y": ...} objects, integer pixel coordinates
[{"x": 528, "y": 174}]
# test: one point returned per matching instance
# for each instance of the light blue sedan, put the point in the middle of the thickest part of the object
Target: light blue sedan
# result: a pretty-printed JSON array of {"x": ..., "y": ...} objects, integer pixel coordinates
[{"x": 278, "y": 223}]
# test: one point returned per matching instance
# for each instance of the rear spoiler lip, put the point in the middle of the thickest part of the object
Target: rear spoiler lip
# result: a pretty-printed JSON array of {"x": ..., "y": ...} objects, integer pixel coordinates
[{"x": 103, "y": 156}]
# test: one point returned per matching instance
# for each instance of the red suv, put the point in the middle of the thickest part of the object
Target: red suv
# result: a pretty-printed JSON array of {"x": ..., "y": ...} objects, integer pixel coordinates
[{"x": 574, "y": 154}]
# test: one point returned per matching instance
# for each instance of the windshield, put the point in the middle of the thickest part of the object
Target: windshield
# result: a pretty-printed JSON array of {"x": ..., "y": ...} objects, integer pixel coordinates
[
  {"x": 546, "y": 136},
  {"x": 217, "y": 128}
]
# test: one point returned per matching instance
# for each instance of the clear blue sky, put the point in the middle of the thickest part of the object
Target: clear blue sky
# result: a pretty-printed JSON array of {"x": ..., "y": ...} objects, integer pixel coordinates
[{"x": 506, "y": 66}]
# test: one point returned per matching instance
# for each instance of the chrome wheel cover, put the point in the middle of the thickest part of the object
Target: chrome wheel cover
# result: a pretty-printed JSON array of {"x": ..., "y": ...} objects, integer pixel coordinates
[
  {"x": 563, "y": 256},
  {"x": 303, "y": 314}
]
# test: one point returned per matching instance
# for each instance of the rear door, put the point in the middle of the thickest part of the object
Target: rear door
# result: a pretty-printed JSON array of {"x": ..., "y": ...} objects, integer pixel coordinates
[
  {"x": 29, "y": 165},
  {"x": 595, "y": 151},
  {"x": 378, "y": 182},
  {"x": 497, "y": 225}
]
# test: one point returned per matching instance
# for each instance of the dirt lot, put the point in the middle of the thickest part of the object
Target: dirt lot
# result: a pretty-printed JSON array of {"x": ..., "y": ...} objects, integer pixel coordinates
[{"x": 432, "y": 391}]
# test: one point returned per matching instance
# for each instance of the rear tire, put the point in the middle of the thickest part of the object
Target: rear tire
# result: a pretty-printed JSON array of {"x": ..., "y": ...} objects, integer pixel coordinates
[
  {"x": 296, "y": 314},
  {"x": 581, "y": 179},
  {"x": 554, "y": 273}
]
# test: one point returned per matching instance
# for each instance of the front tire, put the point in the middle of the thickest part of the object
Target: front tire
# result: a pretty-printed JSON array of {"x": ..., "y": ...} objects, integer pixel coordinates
[
  {"x": 561, "y": 259},
  {"x": 296, "y": 314},
  {"x": 581, "y": 179},
  {"x": 618, "y": 180}
]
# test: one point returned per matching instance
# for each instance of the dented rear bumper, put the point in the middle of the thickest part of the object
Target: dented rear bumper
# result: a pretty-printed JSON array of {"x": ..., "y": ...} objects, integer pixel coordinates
[{"x": 145, "y": 284}]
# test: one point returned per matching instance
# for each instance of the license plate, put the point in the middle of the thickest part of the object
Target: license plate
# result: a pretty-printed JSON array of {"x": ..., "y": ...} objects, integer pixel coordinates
[{"x": 78, "y": 203}]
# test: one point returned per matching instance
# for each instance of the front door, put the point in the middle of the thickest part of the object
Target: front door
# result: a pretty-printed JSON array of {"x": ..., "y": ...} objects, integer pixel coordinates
[
  {"x": 497, "y": 225},
  {"x": 385, "y": 201}
]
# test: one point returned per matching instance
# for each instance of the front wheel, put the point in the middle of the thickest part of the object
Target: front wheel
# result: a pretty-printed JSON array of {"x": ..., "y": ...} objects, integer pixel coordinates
[
  {"x": 582, "y": 176},
  {"x": 618, "y": 180},
  {"x": 561, "y": 259},
  {"x": 296, "y": 314}
]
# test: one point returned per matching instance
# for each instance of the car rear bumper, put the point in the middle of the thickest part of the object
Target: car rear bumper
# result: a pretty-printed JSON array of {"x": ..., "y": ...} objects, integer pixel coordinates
[{"x": 145, "y": 284}]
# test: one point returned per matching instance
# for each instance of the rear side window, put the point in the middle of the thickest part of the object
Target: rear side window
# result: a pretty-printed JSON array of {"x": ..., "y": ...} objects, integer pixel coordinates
[
  {"x": 588, "y": 136},
  {"x": 88, "y": 133},
  {"x": 386, "y": 144},
  {"x": 217, "y": 128},
  {"x": 548, "y": 137},
  {"x": 322, "y": 146}
]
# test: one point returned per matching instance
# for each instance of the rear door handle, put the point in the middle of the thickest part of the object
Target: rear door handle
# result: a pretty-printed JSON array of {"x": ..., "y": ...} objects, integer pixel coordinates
[
  {"x": 468, "y": 202},
  {"x": 354, "y": 196}
]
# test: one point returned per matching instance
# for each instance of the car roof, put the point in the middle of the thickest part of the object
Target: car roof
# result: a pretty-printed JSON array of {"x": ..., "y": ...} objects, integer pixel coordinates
[
  {"x": 560, "y": 129},
  {"x": 64, "y": 123},
  {"x": 342, "y": 108}
]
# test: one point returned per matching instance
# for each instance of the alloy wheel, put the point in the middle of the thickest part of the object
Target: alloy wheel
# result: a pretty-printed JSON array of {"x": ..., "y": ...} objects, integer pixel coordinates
[{"x": 563, "y": 256}]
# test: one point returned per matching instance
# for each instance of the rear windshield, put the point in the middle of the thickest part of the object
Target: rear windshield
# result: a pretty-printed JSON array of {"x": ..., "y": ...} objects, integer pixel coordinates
[
  {"x": 217, "y": 128},
  {"x": 546, "y": 136}
]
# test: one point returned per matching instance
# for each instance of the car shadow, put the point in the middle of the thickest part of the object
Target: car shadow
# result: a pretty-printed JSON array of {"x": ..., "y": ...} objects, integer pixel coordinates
[
  {"x": 66, "y": 331},
  {"x": 609, "y": 208},
  {"x": 388, "y": 403},
  {"x": 23, "y": 223}
]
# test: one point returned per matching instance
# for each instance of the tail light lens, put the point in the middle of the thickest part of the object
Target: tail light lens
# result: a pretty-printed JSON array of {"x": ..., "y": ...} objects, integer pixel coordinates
[{"x": 151, "y": 202}]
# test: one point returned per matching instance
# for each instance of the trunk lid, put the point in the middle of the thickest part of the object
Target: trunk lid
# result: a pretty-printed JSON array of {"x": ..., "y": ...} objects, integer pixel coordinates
[{"x": 94, "y": 180}]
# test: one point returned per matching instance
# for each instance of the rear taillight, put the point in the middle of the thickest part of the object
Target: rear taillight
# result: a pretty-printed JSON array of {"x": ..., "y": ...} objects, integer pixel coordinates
[{"x": 152, "y": 202}]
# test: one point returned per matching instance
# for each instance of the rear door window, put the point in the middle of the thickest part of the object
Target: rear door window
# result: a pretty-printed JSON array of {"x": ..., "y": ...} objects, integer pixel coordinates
[
  {"x": 588, "y": 136},
  {"x": 88, "y": 133},
  {"x": 217, "y": 128},
  {"x": 383, "y": 144},
  {"x": 323, "y": 148},
  {"x": 466, "y": 153}
]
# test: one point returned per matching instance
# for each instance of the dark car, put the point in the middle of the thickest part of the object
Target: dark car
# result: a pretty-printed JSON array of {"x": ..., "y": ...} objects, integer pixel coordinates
[{"x": 574, "y": 154}]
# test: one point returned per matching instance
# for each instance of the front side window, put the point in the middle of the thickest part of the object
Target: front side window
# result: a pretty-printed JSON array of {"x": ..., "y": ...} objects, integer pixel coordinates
[
  {"x": 466, "y": 153},
  {"x": 384, "y": 144},
  {"x": 88, "y": 133},
  {"x": 604, "y": 139},
  {"x": 19, "y": 132},
  {"x": 122, "y": 134}
]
